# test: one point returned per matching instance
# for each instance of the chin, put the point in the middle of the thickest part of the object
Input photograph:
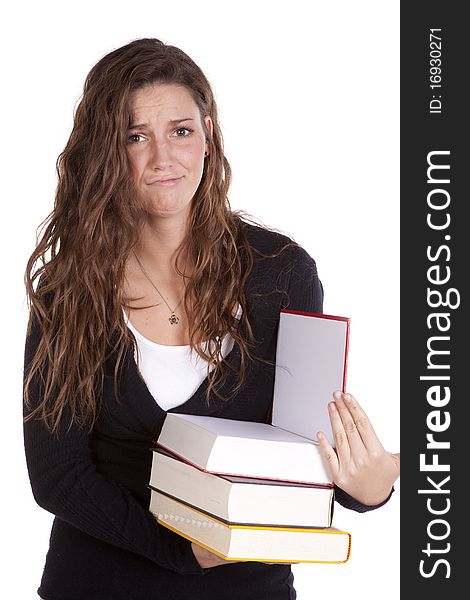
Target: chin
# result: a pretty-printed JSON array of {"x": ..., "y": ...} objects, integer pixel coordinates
[{"x": 169, "y": 209}]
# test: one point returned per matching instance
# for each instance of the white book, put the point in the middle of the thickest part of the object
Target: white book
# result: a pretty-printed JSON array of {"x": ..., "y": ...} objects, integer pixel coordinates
[
  {"x": 243, "y": 448},
  {"x": 240, "y": 499},
  {"x": 248, "y": 543},
  {"x": 311, "y": 360}
]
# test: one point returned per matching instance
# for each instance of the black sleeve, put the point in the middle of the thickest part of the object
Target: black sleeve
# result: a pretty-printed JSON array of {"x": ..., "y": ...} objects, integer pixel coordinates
[
  {"x": 305, "y": 293},
  {"x": 65, "y": 482},
  {"x": 305, "y": 290},
  {"x": 349, "y": 502}
]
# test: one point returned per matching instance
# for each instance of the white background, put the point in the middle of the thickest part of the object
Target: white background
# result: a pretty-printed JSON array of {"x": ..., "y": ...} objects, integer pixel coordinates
[{"x": 308, "y": 96}]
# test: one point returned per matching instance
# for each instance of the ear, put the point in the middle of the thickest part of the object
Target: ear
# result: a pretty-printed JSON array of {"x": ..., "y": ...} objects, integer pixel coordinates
[{"x": 208, "y": 123}]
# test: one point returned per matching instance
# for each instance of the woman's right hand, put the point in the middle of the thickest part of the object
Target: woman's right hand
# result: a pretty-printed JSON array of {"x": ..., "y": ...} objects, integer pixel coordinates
[{"x": 206, "y": 559}]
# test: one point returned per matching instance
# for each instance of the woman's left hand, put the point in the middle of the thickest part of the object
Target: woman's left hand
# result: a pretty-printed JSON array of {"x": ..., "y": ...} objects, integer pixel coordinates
[{"x": 359, "y": 464}]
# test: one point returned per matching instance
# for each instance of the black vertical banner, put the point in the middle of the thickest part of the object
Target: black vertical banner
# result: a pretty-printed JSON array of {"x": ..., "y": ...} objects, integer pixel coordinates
[{"x": 435, "y": 268}]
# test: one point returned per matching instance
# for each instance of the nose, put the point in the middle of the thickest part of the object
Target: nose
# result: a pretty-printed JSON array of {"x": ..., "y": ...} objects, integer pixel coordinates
[{"x": 161, "y": 155}]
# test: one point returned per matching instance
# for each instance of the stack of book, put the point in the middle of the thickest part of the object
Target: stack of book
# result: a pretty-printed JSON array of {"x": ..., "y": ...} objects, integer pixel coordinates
[{"x": 257, "y": 491}]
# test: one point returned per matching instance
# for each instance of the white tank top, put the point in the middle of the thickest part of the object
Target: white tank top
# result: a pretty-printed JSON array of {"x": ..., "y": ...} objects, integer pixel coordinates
[{"x": 172, "y": 373}]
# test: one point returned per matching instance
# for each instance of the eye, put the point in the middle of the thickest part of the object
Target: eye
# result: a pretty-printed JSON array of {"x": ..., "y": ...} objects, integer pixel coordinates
[
  {"x": 134, "y": 138},
  {"x": 183, "y": 129}
]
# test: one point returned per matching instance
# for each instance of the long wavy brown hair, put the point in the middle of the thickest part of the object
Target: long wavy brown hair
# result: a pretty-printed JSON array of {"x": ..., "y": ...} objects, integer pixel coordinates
[{"x": 75, "y": 275}]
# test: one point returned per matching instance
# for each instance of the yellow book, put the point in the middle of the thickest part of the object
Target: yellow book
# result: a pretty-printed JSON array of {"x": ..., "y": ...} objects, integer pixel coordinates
[{"x": 236, "y": 541}]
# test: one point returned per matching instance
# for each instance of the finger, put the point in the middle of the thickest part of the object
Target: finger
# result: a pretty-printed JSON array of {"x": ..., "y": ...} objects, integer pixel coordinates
[
  {"x": 339, "y": 435},
  {"x": 356, "y": 443},
  {"x": 362, "y": 423},
  {"x": 328, "y": 454}
]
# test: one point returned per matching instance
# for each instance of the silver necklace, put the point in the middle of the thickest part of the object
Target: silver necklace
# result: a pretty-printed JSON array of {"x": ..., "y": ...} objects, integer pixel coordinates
[{"x": 173, "y": 318}]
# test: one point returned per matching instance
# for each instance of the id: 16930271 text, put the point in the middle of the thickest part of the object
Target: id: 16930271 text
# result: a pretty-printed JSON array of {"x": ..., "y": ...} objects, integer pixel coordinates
[{"x": 435, "y": 70}]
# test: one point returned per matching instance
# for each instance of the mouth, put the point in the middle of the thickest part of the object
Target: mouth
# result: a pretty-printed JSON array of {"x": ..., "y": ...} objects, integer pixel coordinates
[{"x": 165, "y": 182}]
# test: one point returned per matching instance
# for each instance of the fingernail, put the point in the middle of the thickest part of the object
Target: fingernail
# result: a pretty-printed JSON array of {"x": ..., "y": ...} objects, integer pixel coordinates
[
  {"x": 320, "y": 435},
  {"x": 332, "y": 406},
  {"x": 347, "y": 397},
  {"x": 337, "y": 395}
]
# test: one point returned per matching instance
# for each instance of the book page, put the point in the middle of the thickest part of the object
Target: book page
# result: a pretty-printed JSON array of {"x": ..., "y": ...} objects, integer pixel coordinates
[{"x": 310, "y": 365}]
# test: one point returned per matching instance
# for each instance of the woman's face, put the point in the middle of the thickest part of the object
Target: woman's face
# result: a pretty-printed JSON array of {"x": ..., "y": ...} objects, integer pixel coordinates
[{"x": 166, "y": 143}]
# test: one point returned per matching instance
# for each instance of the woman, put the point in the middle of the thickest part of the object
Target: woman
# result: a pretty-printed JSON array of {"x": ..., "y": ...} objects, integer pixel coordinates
[{"x": 147, "y": 295}]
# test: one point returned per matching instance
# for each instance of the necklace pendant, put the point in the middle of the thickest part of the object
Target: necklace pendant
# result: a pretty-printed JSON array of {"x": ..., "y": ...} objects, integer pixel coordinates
[{"x": 174, "y": 320}]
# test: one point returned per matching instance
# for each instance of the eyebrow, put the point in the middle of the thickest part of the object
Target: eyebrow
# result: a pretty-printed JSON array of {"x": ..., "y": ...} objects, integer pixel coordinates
[{"x": 172, "y": 122}]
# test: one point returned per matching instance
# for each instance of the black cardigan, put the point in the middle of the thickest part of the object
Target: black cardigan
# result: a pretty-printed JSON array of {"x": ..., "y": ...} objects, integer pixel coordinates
[{"x": 105, "y": 544}]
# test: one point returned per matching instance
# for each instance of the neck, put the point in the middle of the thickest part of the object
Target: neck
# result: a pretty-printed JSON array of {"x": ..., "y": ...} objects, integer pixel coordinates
[{"x": 158, "y": 247}]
